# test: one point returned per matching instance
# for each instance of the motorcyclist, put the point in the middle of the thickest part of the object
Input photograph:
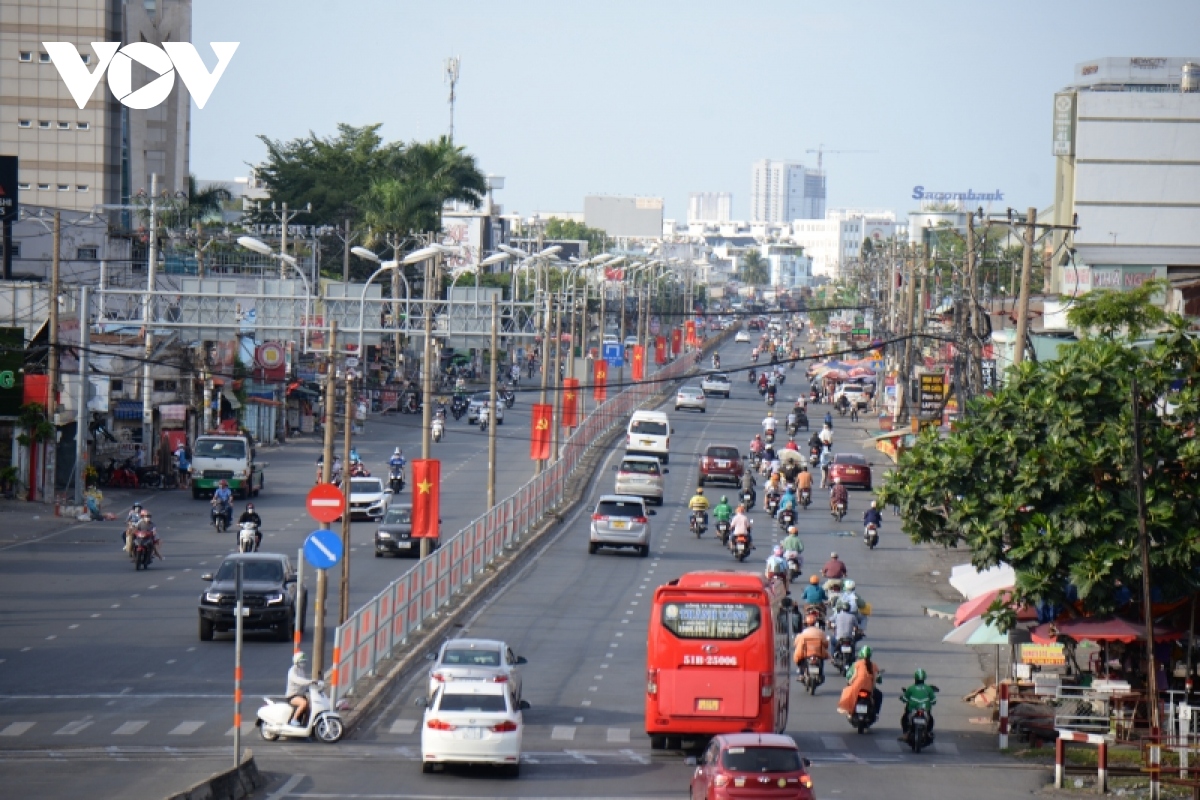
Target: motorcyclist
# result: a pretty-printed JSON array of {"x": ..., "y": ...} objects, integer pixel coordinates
[
  {"x": 777, "y": 567},
  {"x": 146, "y": 528},
  {"x": 811, "y": 643},
  {"x": 297, "y": 689},
  {"x": 838, "y": 494},
  {"x": 919, "y": 695},
  {"x": 791, "y": 543},
  {"x": 769, "y": 423},
  {"x": 699, "y": 505},
  {"x": 826, "y": 435},
  {"x": 741, "y": 524},
  {"x": 222, "y": 500},
  {"x": 824, "y": 463},
  {"x": 722, "y": 511},
  {"x": 814, "y": 441},
  {"x": 716, "y": 360},
  {"x": 748, "y": 485},
  {"x": 872, "y": 516},
  {"x": 771, "y": 459},
  {"x": 397, "y": 459},
  {"x": 864, "y": 674},
  {"x": 775, "y": 484},
  {"x": 250, "y": 515},
  {"x": 804, "y": 482},
  {"x": 762, "y": 383},
  {"x": 791, "y": 445},
  {"x": 756, "y": 444},
  {"x": 788, "y": 501},
  {"x": 829, "y": 420},
  {"x": 834, "y": 568},
  {"x": 131, "y": 520},
  {"x": 813, "y": 593}
]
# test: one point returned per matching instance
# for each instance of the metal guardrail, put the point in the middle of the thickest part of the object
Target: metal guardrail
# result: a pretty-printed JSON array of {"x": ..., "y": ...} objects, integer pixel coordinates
[
  {"x": 388, "y": 620},
  {"x": 1081, "y": 709}
]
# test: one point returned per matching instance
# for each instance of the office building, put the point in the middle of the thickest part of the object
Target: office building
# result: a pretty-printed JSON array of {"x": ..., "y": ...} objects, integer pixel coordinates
[
  {"x": 783, "y": 191},
  {"x": 625, "y": 217},
  {"x": 710, "y": 207}
]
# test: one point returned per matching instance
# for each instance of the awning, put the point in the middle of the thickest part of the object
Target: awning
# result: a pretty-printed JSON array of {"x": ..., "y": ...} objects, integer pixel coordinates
[
  {"x": 175, "y": 411},
  {"x": 128, "y": 409},
  {"x": 228, "y": 394}
]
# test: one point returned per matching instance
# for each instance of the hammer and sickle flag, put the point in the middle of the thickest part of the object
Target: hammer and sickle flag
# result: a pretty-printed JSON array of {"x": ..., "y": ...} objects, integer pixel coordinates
[
  {"x": 639, "y": 362},
  {"x": 570, "y": 405},
  {"x": 539, "y": 435},
  {"x": 676, "y": 341},
  {"x": 599, "y": 380},
  {"x": 660, "y": 350}
]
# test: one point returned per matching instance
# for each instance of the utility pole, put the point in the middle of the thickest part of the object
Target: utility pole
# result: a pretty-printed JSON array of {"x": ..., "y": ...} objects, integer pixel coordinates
[
  {"x": 1023, "y": 299},
  {"x": 621, "y": 316},
  {"x": 82, "y": 415},
  {"x": 541, "y": 463},
  {"x": 346, "y": 255},
  {"x": 903, "y": 400},
  {"x": 148, "y": 319},
  {"x": 976, "y": 329},
  {"x": 557, "y": 426},
  {"x": 326, "y": 477},
  {"x": 491, "y": 486},
  {"x": 431, "y": 276},
  {"x": 52, "y": 391},
  {"x": 348, "y": 421},
  {"x": 1139, "y": 482}
]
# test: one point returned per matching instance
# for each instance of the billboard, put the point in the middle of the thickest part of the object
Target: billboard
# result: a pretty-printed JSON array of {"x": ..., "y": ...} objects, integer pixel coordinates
[
  {"x": 467, "y": 234},
  {"x": 624, "y": 217},
  {"x": 12, "y": 363}
]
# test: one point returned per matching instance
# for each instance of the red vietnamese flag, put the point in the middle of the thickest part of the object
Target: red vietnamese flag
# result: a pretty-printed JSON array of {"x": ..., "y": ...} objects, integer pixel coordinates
[
  {"x": 570, "y": 405},
  {"x": 676, "y": 341},
  {"x": 427, "y": 492},
  {"x": 660, "y": 349},
  {"x": 691, "y": 332},
  {"x": 599, "y": 380},
  {"x": 639, "y": 362},
  {"x": 539, "y": 435}
]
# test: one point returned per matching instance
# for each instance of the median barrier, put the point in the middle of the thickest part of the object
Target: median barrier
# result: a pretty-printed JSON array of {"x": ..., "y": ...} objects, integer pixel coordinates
[{"x": 231, "y": 784}]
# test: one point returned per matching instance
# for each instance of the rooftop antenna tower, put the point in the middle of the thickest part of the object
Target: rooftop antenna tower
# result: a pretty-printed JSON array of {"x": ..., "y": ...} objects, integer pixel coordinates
[{"x": 452, "y": 79}]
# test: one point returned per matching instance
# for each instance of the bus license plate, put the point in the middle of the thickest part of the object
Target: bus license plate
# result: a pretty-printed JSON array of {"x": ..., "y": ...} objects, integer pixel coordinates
[{"x": 708, "y": 705}]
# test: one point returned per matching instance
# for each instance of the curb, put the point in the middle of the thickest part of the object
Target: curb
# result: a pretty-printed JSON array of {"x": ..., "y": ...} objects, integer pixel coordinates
[
  {"x": 231, "y": 784},
  {"x": 529, "y": 548}
]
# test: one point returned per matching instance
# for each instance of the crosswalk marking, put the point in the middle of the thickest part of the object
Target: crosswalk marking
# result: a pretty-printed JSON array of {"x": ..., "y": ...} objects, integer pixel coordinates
[
  {"x": 247, "y": 726},
  {"x": 17, "y": 728},
  {"x": 72, "y": 728},
  {"x": 564, "y": 733},
  {"x": 186, "y": 728},
  {"x": 833, "y": 742},
  {"x": 403, "y": 726},
  {"x": 131, "y": 727},
  {"x": 946, "y": 748},
  {"x": 618, "y": 735}
]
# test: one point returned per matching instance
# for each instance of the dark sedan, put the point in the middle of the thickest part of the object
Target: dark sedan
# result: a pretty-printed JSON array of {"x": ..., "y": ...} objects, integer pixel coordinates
[{"x": 394, "y": 535}]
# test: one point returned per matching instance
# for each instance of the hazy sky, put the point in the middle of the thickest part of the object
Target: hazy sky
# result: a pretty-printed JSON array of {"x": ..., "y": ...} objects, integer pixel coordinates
[{"x": 657, "y": 97}]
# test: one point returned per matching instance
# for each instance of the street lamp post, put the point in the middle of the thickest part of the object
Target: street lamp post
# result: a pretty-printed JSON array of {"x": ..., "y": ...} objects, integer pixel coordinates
[{"x": 384, "y": 266}]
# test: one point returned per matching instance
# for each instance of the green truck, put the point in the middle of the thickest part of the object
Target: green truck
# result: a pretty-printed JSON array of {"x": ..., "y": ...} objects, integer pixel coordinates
[{"x": 229, "y": 457}]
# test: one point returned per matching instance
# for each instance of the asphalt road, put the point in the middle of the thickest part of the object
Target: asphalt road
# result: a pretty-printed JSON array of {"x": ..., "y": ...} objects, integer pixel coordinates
[
  {"x": 581, "y": 621},
  {"x": 102, "y": 663}
]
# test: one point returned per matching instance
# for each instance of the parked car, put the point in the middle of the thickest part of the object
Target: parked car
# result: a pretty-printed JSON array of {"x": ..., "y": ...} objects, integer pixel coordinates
[
  {"x": 369, "y": 498},
  {"x": 472, "y": 722},
  {"x": 631, "y": 341},
  {"x": 691, "y": 397},
  {"x": 757, "y": 764},
  {"x": 852, "y": 468},
  {"x": 716, "y": 383},
  {"x": 476, "y": 403},
  {"x": 855, "y": 394},
  {"x": 394, "y": 534},
  {"x": 620, "y": 520},
  {"x": 742, "y": 336},
  {"x": 270, "y": 596},
  {"x": 721, "y": 462},
  {"x": 641, "y": 476},
  {"x": 487, "y": 660}
]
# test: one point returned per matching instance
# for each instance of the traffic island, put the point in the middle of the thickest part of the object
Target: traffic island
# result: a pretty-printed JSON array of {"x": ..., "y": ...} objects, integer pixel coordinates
[{"x": 232, "y": 784}]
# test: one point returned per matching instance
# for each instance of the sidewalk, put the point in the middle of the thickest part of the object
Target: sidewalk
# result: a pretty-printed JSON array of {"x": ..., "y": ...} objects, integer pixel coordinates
[{"x": 23, "y": 521}]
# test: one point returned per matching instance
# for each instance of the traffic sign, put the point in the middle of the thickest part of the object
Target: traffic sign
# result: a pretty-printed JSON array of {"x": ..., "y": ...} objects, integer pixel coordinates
[
  {"x": 323, "y": 549},
  {"x": 325, "y": 502},
  {"x": 614, "y": 354}
]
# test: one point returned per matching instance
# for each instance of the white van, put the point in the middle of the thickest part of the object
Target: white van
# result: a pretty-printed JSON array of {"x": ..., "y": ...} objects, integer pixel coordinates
[{"x": 649, "y": 434}]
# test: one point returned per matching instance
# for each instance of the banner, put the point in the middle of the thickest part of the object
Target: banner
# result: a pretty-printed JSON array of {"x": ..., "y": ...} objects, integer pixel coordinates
[
  {"x": 639, "y": 362},
  {"x": 676, "y": 341},
  {"x": 570, "y": 404},
  {"x": 614, "y": 274},
  {"x": 599, "y": 380},
  {"x": 539, "y": 433},
  {"x": 691, "y": 332},
  {"x": 660, "y": 350},
  {"x": 426, "y": 498}
]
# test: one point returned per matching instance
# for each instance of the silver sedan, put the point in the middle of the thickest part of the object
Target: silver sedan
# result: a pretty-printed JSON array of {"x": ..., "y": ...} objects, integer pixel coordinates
[
  {"x": 691, "y": 397},
  {"x": 476, "y": 660}
]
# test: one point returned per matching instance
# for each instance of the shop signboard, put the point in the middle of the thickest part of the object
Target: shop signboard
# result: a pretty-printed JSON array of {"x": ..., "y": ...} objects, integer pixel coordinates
[
  {"x": 932, "y": 390},
  {"x": 12, "y": 362},
  {"x": 1044, "y": 655}
]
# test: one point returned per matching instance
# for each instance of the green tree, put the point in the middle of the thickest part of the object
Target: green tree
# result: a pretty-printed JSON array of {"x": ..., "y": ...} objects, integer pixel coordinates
[
  {"x": 430, "y": 174},
  {"x": 557, "y": 228},
  {"x": 1039, "y": 476},
  {"x": 755, "y": 270},
  {"x": 1111, "y": 311}
]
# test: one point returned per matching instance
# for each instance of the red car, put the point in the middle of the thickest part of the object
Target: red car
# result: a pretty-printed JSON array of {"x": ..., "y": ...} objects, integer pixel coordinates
[
  {"x": 721, "y": 462},
  {"x": 751, "y": 765},
  {"x": 853, "y": 469}
]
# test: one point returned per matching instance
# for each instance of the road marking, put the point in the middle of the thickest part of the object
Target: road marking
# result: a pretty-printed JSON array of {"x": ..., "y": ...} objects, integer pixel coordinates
[
  {"x": 154, "y": 587},
  {"x": 593, "y": 688},
  {"x": 888, "y": 745},
  {"x": 72, "y": 728},
  {"x": 95, "y": 615},
  {"x": 115, "y": 605},
  {"x": 17, "y": 728},
  {"x": 565, "y": 733},
  {"x": 618, "y": 735},
  {"x": 636, "y": 756},
  {"x": 186, "y": 728},
  {"x": 130, "y": 728},
  {"x": 51, "y": 637},
  {"x": 247, "y": 726},
  {"x": 290, "y": 784},
  {"x": 171, "y": 661},
  {"x": 604, "y": 666},
  {"x": 148, "y": 675},
  {"x": 73, "y": 627},
  {"x": 619, "y": 633},
  {"x": 586, "y": 703},
  {"x": 609, "y": 655},
  {"x": 578, "y": 756},
  {"x": 135, "y": 595},
  {"x": 833, "y": 742},
  {"x": 404, "y": 726},
  {"x": 579, "y": 720},
  {"x": 597, "y": 677}
]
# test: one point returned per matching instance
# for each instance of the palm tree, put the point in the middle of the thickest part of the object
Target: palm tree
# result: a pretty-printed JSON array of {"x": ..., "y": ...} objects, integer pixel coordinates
[
  {"x": 756, "y": 270},
  {"x": 430, "y": 174}
]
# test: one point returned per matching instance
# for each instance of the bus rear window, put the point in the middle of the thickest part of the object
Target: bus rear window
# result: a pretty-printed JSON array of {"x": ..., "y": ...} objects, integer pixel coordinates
[{"x": 711, "y": 620}]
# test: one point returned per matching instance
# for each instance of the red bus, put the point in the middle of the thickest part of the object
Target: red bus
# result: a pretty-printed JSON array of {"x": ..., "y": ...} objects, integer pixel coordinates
[{"x": 718, "y": 657}]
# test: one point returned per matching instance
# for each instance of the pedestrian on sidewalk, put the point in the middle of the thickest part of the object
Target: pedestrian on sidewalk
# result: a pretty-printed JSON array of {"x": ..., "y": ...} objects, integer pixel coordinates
[{"x": 854, "y": 412}]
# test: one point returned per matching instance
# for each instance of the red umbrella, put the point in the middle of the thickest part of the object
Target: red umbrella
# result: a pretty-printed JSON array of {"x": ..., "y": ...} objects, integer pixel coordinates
[
  {"x": 979, "y": 605},
  {"x": 1100, "y": 629}
]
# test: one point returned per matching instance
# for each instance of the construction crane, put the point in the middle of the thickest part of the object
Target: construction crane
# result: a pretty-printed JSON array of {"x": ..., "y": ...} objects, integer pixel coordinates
[{"x": 821, "y": 151}]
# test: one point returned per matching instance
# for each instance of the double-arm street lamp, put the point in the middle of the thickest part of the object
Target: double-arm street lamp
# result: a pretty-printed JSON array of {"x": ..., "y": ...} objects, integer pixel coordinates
[{"x": 394, "y": 267}]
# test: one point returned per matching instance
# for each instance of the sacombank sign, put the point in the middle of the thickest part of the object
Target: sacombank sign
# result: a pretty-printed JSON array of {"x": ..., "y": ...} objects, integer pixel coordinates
[{"x": 172, "y": 57}]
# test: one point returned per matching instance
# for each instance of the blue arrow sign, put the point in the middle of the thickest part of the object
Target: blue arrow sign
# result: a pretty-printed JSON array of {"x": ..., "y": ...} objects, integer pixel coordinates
[
  {"x": 323, "y": 549},
  {"x": 614, "y": 354}
]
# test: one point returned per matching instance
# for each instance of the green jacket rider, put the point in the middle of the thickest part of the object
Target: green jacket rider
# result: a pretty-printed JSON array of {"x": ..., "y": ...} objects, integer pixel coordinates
[
  {"x": 919, "y": 695},
  {"x": 723, "y": 512}
]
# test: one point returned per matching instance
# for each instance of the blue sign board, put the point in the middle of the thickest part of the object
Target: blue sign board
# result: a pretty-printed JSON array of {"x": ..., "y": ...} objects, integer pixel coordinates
[
  {"x": 614, "y": 354},
  {"x": 323, "y": 549}
]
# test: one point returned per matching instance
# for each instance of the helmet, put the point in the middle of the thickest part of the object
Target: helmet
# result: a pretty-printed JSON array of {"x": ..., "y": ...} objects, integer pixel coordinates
[
  {"x": 814, "y": 580},
  {"x": 872, "y": 504},
  {"x": 299, "y": 658},
  {"x": 396, "y": 452},
  {"x": 837, "y": 480},
  {"x": 699, "y": 490},
  {"x": 865, "y": 653},
  {"x": 725, "y": 499},
  {"x": 249, "y": 506},
  {"x": 833, "y": 554},
  {"x": 770, "y": 413},
  {"x": 137, "y": 506},
  {"x": 848, "y": 585},
  {"x": 777, "y": 550},
  {"x": 792, "y": 529},
  {"x": 919, "y": 676}
]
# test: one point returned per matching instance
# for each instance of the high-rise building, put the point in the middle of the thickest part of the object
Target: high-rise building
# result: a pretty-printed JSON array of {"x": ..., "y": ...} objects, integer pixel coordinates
[
  {"x": 782, "y": 191},
  {"x": 74, "y": 158},
  {"x": 710, "y": 207}
]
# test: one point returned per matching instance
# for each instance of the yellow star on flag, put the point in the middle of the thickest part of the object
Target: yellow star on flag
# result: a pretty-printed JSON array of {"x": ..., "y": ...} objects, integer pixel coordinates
[
  {"x": 424, "y": 487},
  {"x": 570, "y": 395}
]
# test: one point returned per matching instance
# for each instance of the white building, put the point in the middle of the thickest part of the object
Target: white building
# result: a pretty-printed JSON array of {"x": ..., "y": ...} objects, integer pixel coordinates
[
  {"x": 790, "y": 266},
  {"x": 1126, "y": 141},
  {"x": 710, "y": 207},
  {"x": 783, "y": 191},
  {"x": 838, "y": 238}
]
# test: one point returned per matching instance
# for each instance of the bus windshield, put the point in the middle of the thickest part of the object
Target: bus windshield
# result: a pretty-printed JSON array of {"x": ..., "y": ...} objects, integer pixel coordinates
[{"x": 729, "y": 621}]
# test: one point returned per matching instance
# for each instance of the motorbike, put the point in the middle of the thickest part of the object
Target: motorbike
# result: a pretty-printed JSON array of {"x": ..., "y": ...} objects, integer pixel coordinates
[
  {"x": 698, "y": 523},
  {"x": 437, "y": 429},
  {"x": 508, "y": 396},
  {"x": 323, "y": 721},
  {"x": 871, "y": 536},
  {"x": 814, "y": 396},
  {"x": 121, "y": 476},
  {"x": 484, "y": 419},
  {"x": 839, "y": 511},
  {"x": 741, "y": 546},
  {"x": 222, "y": 516},
  {"x": 810, "y": 674},
  {"x": 769, "y": 436},
  {"x": 843, "y": 653},
  {"x": 920, "y": 719},
  {"x": 247, "y": 537},
  {"x": 149, "y": 477},
  {"x": 795, "y": 564},
  {"x": 786, "y": 518},
  {"x": 410, "y": 404},
  {"x": 458, "y": 406},
  {"x": 723, "y": 530},
  {"x": 750, "y": 376},
  {"x": 772, "y": 503},
  {"x": 762, "y": 390},
  {"x": 748, "y": 500},
  {"x": 396, "y": 477},
  {"x": 802, "y": 421},
  {"x": 863, "y": 716},
  {"x": 770, "y": 398},
  {"x": 805, "y": 498},
  {"x": 143, "y": 552}
]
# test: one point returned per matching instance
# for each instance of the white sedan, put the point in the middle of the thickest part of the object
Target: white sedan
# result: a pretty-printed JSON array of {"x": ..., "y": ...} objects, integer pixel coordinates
[
  {"x": 473, "y": 722},
  {"x": 368, "y": 498},
  {"x": 742, "y": 336}
]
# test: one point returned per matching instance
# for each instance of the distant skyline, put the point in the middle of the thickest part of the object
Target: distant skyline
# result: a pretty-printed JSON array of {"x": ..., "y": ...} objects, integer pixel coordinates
[{"x": 668, "y": 98}]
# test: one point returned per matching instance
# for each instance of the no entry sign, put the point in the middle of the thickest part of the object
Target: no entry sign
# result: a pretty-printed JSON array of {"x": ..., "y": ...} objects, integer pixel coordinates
[{"x": 325, "y": 502}]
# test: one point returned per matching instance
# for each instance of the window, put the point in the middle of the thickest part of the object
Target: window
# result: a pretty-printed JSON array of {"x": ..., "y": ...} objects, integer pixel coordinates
[
  {"x": 24, "y": 187},
  {"x": 44, "y": 58},
  {"x": 481, "y": 703},
  {"x": 83, "y": 187},
  {"x": 25, "y": 123},
  {"x": 44, "y": 124},
  {"x": 26, "y": 55},
  {"x": 64, "y": 187},
  {"x": 43, "y": 187},
  {"x": 64, "y": 126},
  {"x": 16, "y": 248},
  {"x": 159, "y": 386},
  {"x": 116, "y": 385},
  {"x": 87, "y": 253},
  {"x": 83, "y": 126}
]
